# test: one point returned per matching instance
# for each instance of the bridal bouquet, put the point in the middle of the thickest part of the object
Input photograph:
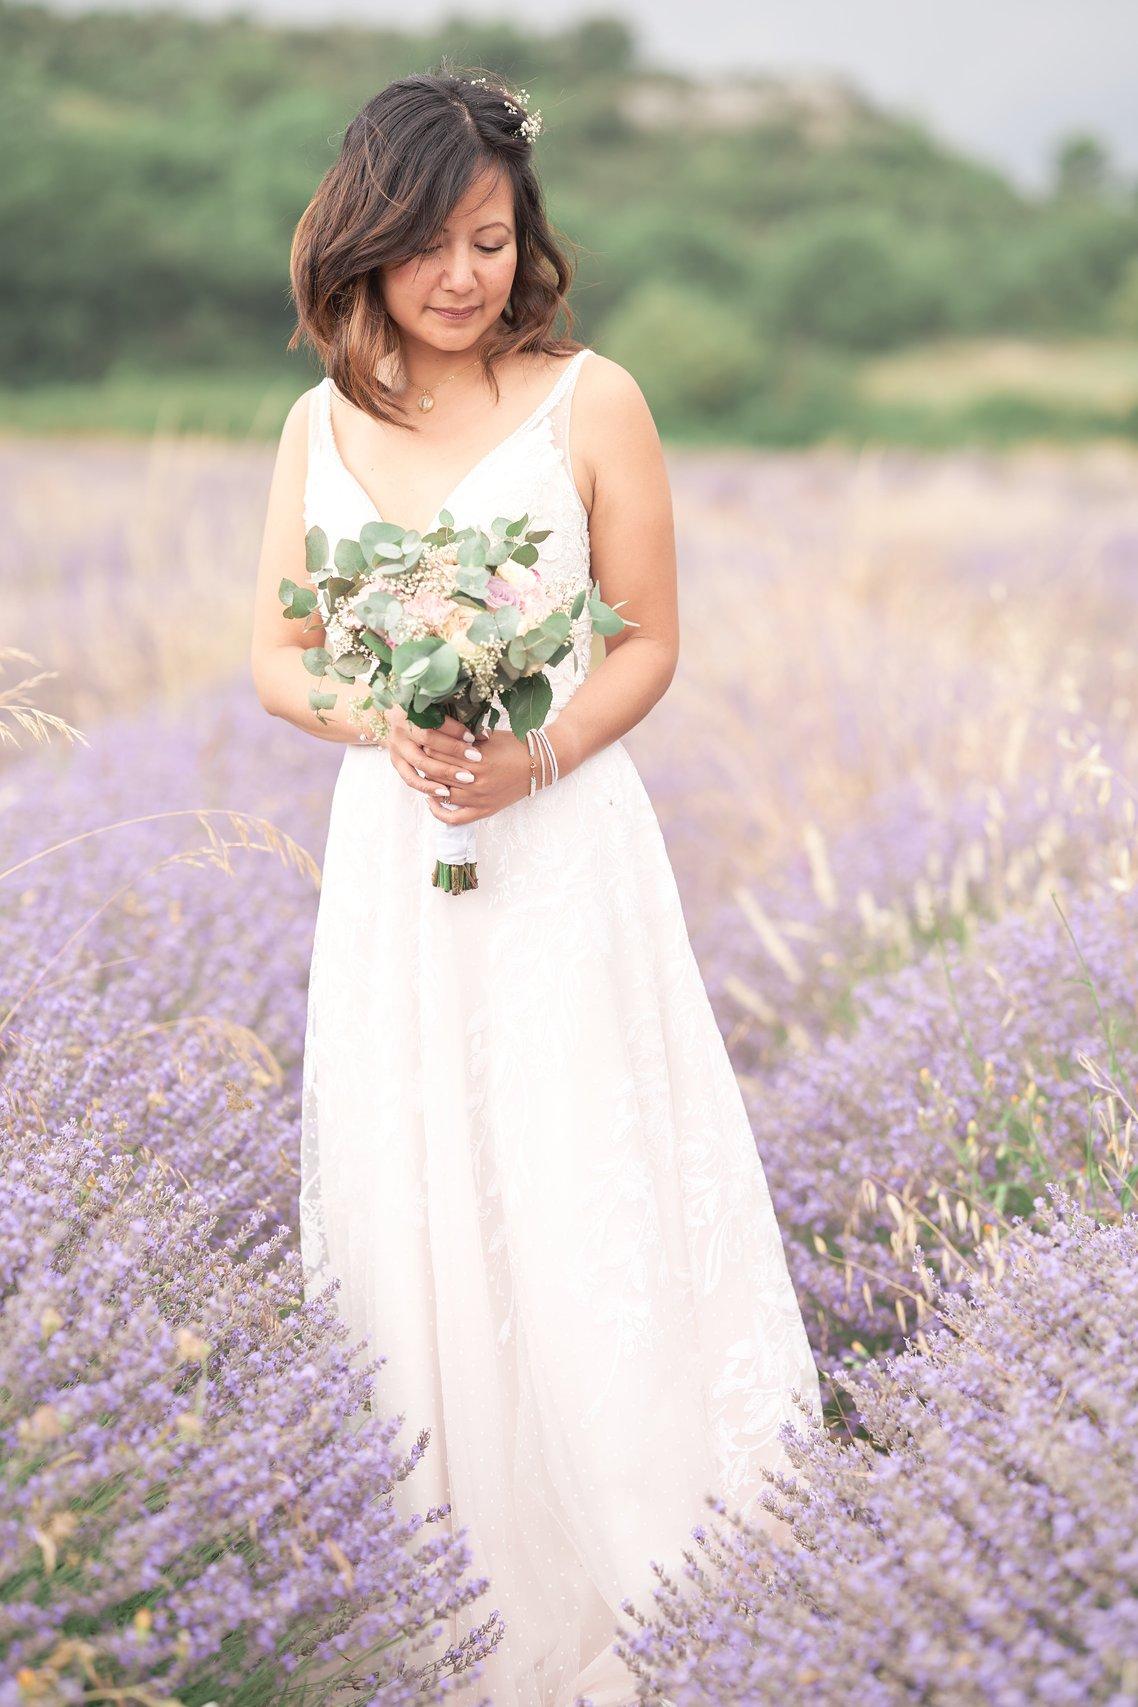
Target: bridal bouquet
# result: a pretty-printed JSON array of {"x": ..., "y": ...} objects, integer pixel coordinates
[{"x": 440, "y": 624}]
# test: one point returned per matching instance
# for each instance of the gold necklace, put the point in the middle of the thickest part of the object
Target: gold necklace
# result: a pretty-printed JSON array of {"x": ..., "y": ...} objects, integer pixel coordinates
[{"x": 426, "y": 401}]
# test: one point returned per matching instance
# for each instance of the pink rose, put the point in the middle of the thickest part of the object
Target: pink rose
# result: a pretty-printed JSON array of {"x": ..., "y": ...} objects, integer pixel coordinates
[
  {"x": 499, "y": 592},
  {"x": 431, "y": 607}
]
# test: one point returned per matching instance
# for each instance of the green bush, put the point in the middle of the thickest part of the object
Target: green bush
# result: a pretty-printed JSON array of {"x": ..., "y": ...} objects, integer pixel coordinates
[
  {"x": 698, "y": 357},
  {"x": 851, "y": 279}
]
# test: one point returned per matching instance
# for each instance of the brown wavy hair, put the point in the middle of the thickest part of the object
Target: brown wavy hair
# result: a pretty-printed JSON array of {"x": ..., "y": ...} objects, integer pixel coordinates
[{"x": 409, "y": 155}]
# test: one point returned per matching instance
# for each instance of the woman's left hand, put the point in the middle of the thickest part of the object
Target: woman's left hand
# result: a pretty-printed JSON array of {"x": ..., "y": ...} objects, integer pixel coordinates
[{"x": 501, "y": 776}]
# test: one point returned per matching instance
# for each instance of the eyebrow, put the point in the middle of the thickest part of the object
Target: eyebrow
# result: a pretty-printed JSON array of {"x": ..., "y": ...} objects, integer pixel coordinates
[{"x": 488, "y": 227}]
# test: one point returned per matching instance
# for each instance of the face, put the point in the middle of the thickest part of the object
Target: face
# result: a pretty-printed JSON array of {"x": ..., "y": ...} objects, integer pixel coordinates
[{"x": 469, "y": 267}]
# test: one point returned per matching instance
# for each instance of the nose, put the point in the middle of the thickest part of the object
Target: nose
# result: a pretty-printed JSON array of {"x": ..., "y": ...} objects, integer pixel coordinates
[{"x": 458, "y": 271}]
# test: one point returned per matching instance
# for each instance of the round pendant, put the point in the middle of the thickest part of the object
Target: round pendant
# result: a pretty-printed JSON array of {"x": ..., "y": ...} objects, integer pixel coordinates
[{"x": 426, "y": 402}]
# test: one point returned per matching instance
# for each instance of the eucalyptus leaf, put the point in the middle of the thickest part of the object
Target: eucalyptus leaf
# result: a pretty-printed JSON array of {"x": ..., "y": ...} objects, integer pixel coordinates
[
  {"x": 378, "y": 609},
  {"x": 316, "y": 659},
  {"x": 472, "y": 580},
  {"x": 315, "y": 549},
  {"x": 321, "y": 701},
  {"x": 375, "y": 533},
  {"x": 298, "y": 601},
  {"x": 605, "y": 619},
  {"x": 528, "y": 704},
  {"x": 415, "y": 670},
  {"x": 525, "y": 554},
  {"x": 578, "y": 604},
  {"x": 446, "y": 518},
  {"x": 535, "y": 538},
  {"x": 442, "y": 671},
  {"x": 507, "y": 617},
  {"x": 351, "y": 664},
  {"x": 349, "y": 558},
  {"x": 541, "y": 648},
  {"x": 472, "y": 553},
  {"x": 408, "y": 650}
]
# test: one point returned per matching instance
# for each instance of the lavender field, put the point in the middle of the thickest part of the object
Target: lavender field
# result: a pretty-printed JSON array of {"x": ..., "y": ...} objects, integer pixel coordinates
[{"x": 896, "y": 773}]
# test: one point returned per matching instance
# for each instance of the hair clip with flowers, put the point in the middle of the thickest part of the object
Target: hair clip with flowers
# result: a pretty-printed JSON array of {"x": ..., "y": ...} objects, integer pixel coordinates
[
  {"x": 531, "y": 122},
  {"x": 531, "y": 125}
]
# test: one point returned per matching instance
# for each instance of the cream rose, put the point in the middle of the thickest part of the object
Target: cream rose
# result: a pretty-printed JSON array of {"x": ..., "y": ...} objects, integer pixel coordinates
[
  {"x": 455, "y": 627},
  {"x": 519, "y": 576}
]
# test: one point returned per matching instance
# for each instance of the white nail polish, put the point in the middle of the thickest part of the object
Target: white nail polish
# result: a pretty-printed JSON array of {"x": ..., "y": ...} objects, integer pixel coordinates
[
  {"x": 464, "y": 776},
  {"x": 442, "y": 788},
  {"x": 471, "y": 753}
]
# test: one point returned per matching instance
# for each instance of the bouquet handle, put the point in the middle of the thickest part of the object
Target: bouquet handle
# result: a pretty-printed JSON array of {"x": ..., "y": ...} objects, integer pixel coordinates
[{"x": 455, "y": 869}]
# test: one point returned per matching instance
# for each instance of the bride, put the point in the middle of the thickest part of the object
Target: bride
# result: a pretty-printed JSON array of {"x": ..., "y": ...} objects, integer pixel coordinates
[{"x": 524, "y": 1153}]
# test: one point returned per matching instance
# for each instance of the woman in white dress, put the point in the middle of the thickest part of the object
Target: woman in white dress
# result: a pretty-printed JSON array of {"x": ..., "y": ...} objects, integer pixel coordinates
[{"x": 525, "y": 1155}]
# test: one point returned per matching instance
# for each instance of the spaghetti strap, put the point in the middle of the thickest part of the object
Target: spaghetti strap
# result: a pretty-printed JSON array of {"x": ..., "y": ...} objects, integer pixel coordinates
[{"x": 318, "y": 439}]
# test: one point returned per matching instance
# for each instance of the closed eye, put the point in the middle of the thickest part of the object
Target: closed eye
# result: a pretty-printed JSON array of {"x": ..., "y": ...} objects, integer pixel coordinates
[{"x": 484, "y": 248}]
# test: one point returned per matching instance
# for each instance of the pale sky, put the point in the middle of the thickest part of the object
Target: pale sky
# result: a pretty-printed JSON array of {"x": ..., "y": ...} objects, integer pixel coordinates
[{"x": 1001, "y": 78}]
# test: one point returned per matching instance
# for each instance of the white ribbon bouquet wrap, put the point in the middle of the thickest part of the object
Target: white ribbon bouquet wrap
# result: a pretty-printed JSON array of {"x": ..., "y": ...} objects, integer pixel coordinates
[{"x": 440, "y": 624}]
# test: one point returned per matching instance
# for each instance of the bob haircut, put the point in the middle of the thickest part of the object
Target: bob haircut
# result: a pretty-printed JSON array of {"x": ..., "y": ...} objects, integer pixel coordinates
[{"x": 407, "y": 158}]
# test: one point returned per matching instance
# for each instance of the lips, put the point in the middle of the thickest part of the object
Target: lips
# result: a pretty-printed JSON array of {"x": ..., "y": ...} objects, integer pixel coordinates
[{"x": 456, "y": 313}]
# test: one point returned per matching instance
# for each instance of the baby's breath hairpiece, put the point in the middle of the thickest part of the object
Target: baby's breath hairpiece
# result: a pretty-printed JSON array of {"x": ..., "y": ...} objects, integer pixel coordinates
[{"x": 531, "y": 125}]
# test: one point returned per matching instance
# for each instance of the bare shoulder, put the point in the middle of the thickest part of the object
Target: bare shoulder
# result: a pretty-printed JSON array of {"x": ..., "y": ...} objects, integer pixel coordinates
[
  {"x": 611, "y": 406},
  {"x": 613, "y": 427},
  {"x": 292, "y": 448},
  {"x": 294, "y": 430}
]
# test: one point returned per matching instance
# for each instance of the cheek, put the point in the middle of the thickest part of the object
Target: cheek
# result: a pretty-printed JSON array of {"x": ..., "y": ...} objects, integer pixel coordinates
[
  {"x": 405, "y": 284},
  {"x": 505, "y": 266}
]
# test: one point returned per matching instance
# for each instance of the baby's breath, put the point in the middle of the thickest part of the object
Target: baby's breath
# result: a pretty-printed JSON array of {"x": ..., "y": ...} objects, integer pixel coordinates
[{"x": 531, "y": 125}]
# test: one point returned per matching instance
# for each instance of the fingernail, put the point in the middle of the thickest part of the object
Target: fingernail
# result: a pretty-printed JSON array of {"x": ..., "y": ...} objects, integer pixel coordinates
[
  {"x": 443, "y": 789},
  {"x": 464, "y": 776},
  {"x": 471, "y": 753},
  {"x": 418, "y": 772}
]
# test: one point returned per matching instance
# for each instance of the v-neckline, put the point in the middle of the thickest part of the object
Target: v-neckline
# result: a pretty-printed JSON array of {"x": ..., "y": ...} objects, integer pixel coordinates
[{"x": 535, "y": 414}]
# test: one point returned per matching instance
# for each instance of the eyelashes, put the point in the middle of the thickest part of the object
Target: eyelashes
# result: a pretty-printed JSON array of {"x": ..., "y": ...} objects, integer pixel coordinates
[{"x": 481, "y": 247}]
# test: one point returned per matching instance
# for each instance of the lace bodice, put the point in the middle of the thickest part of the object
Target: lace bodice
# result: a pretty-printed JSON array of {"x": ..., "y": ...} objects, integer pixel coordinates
[{"x": 528, "y": 472}]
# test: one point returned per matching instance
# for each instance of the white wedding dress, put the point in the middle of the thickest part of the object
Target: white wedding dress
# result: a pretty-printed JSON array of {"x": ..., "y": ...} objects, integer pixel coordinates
[{"x": 526, "y": 1157}]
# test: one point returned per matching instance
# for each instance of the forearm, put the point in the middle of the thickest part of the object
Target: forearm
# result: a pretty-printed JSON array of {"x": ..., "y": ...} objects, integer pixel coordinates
[
  {"x": 613, "y": 699},
  {"x": 284, "y": 684}
]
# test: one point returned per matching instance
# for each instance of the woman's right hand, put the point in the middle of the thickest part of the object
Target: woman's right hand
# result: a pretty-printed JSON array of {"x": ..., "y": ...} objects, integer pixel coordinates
[{"x": 440, "y": 754}]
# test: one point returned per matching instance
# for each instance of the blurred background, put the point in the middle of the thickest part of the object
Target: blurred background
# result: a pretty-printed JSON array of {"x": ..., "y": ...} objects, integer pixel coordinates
[{"x": 875, "y": 222}]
